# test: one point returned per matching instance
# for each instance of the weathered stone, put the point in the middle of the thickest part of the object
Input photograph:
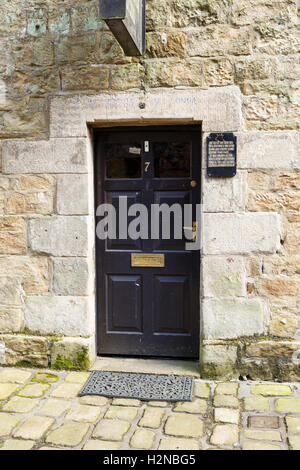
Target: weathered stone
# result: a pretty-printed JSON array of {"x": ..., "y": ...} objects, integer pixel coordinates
[
  {"x": 68, "y": 434},
  {"x": 20, "y": 405},
  {"x": 124, "y": 77},
  {"x": 111, "y": 430},
  {"x": 59, "y": 21},
  {"x": 288, "y": 405},
  {"x": 36, "y": 22},
  {"x": 142, "y": 439},
  {"x": 126, "y": 402},
  {"x": 230, "y": 319},
  {"x": 75, "y": 50},
  {"x": 86, "y": 18},
  {"x": 48, "y": 156},
  {"x": 55, "y": 408},
  {"x": 202, "y": 390},
  {"x": 11, "y": 320},
  {"x": 20, "y": 349},
  {"x": 73, "y": 195},
  {"x": 59, "y": 236},
  {"x": 185, "y": 426},
  {"x": 122, "y": 412},
  {"x": 33, "y": 390},
  {"x": 218, "y": 72},
  {"x": 34, "y": 428},
  {"x": 263, "y": 435},
  {"x": 269, "y": 150},
  {"x": 32, "y": 272},
  {"x": 12, "y": 236},
  {"x": 73, "y": 353},
  {"x": 29, "y": 203},
  {"x": 84, "y": 413},
  {"x": 171, "y": 73},
  {"x": 93, "y": 400},
  {"x": 293, "y": 424},
  {"x": 166, "y": 45},
  {"x": 229, "y": 388},
  {"x": 225, "y": 434},
  {"x": 241, "y": 233},
  {"x": 172, "y": 443},
  {"x": 271, "y": 422},
  {"x": 272, "y": 349},
  {"x": 82, "y": 78},
  {"x": 224, "y": 415},
  {"x": 218, "y": 41},
  {"x": 294, "y": 442},
  {"x": 77, "y": 377},
  {"x": 71, "y": 276},
  {"x": 283, "y": 326},
  {"x": 195, "y": 406},
  {"x": 272, "y": 390},
  {"x": 224, "y": 276},
  {"x": 225, "y": 194},
  {"x": 260, "y": 446},
  {"x": 45, "y": 377},
  {"x": 218, "y": 360},
  {"x": 256, "y": 404},
  {"x": 17, "y": 444},
  {"x": 94, "y": 444},
  {"x": 226, "y": 401},
  {"x": 69, "y": 316},
  {"x": 6, "y": 390},
  {"x": 152, "y": 418},
  {"x": 7, "y": 423},
  {"x": 66, "y": 390},
  {"x": 14, "y": 375}
]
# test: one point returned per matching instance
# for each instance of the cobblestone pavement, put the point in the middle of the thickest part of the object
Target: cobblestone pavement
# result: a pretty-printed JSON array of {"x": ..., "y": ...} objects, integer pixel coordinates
[{"x": 40, "y": 410}]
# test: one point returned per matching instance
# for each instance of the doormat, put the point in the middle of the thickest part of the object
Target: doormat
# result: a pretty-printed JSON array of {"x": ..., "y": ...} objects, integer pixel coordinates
[{"x": 139, "y": 386}]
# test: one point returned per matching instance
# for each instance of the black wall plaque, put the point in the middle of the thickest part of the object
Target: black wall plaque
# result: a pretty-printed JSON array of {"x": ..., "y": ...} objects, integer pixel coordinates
[
  {"x": 221, "y": 155},
  {"x": 126, "y": 20}
]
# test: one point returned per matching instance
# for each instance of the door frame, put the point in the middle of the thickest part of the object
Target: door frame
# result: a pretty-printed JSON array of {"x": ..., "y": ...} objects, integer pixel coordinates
[{"x": 197, "y": 128}]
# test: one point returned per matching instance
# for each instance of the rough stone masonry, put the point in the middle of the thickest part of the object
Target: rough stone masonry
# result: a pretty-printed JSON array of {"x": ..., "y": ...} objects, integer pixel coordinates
[{"x": 232, "y": 65}]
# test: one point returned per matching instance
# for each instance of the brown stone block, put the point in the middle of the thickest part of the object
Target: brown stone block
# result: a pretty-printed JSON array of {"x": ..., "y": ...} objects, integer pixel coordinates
[
  {"x": 269, "y": 422},
  {"x": 79, "y": 49},
  {"x": 174, "y": 73},
  {"x": 85, "y": 78},
  {"x": 272, "y": 349},
  {"x": 127, "y": 76},
  {"x": 30, "y": 203},
  {"x": 278, "y": 286},
  {"x": 283, "y": 326},
  {"x": 166, "y": 45},
  {"x": 218, "y": 72},
  {"x": 12, "y": 243}
]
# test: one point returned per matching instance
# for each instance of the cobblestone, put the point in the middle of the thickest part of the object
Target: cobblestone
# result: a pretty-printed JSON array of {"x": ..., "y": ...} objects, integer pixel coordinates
[{"x": 222, "y": 415}]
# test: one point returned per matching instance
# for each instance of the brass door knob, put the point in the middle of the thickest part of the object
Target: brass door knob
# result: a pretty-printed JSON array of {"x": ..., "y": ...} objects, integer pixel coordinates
[{"x": 193, "y": 184}]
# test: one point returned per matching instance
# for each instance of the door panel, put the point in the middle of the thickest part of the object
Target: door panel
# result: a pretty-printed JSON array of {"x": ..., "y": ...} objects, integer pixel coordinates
[
  {"x": 148, "y": 311},
  {"x": 124, "y": 306}
]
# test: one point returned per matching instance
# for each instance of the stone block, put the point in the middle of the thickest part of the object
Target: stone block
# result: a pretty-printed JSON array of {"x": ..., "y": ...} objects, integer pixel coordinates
[
  {"x": 54, "y": 407},
  {"x": 69, "y": 316},
  {"x": 71, "y": 276},
  {"x": 224, "y": 194},
  {"x": 11, "y": 320},
  {"x": 195, "y": 406},
  {"x": 268, "y": 422},
  {"x": 44, "y": 156},
  {"x": 182, "y": 425},
  {"x": 227, "y": 388},
  {"x": 218, "y": 360},
  {"x": 68, "y": 116},
  {"x": 17, "y": 444},
  {"x": 258, "y": 446},
  {"x": 34, "y": 427},
  {"x": 73, "y": 353},
  {"x": 293, "y": 424},
  {"x": 33, "y": 390},
  {"x": 12, "y": 236},
  {"x": 202, "y": 390},
  {"x": 272, "y": 390},
  {"x": 241, "y": 233},
  {"x": 66, "y": 390},
  {"x": 256, "y": 404},
  {"x": 224, "y": 276},
  {"x": 111, "y": 430},
  {"x": 6, "y": 390},
  {"x": 294, "y": 442},
  {"x": 69, "y": 434},
  {"x": 142, "y": 439},
  {"x": 31, "y": 272},
  {"x": 177, "y": 443},
  {"x": 152, "y": 417},
  {"x": 225, "y": 434},
  {"x": 7, "y": 423},
  {"x": 225, "y": 415},
  {"x": 84, "y": 413},
  {"x": 262, "y": 435},
  {"x": 288, "y": 405},
  {"x": 122, "y": 412},
  {"x": 25, "y": 349},
  {"x": 230, "y": 319},
  {"x": 14, "y": 375},
  {"x": 73, "y": 195},
  {"x": 59, "y": 236},
  {"x": 20, "y": 405},
  {"x": 269, "y": 150}
]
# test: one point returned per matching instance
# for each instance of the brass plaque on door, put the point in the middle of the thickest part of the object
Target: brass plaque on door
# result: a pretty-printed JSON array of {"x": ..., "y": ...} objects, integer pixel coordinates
[{"x": 142, "y": 260}]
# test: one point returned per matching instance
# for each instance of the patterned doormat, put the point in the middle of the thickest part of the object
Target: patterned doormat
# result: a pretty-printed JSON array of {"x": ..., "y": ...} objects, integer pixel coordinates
[{"x": 139, "y": 386}]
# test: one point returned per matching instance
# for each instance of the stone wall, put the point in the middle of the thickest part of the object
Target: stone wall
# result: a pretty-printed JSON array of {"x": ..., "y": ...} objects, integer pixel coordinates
[{"x": 60, "y": 68}]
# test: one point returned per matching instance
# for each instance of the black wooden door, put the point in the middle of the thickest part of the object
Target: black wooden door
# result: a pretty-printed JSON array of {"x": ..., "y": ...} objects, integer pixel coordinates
[{"x": 148, "y": 311}]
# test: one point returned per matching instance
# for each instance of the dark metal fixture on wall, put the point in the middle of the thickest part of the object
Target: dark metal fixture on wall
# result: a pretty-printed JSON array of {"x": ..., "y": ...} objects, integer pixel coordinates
[{"x": 126, "y": 20}]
